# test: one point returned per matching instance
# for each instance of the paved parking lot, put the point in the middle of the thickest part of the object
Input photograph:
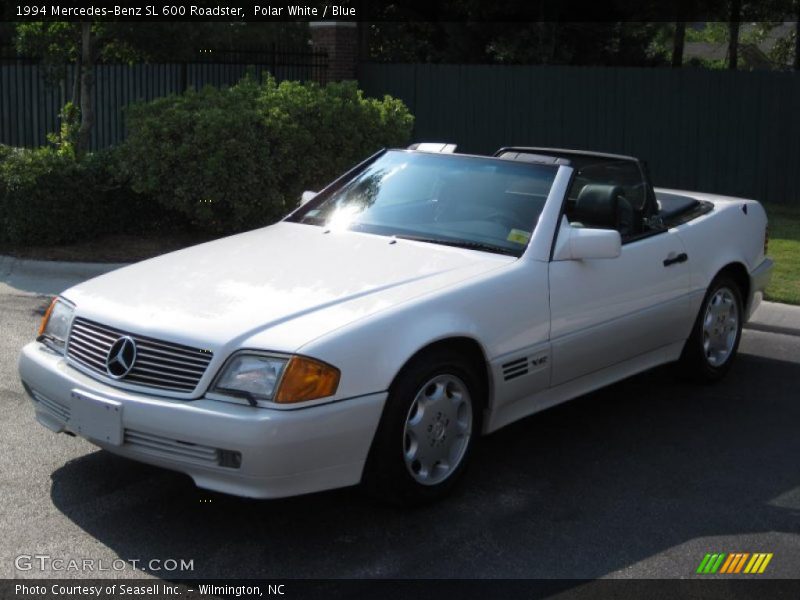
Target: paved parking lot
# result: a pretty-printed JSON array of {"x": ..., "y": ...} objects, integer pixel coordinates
[{"x": 639, "y": 480}]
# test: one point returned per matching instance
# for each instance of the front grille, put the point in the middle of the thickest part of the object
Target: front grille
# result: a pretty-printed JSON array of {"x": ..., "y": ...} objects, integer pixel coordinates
[{"x": 158, "y": 364}]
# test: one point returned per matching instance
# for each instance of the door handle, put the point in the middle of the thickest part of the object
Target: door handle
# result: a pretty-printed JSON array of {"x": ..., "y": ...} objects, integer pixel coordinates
[{"x": 680, "y": 258}]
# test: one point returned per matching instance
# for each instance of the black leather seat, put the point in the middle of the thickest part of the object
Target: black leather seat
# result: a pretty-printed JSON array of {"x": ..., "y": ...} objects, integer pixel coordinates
[{"x": 604, "y": 207}]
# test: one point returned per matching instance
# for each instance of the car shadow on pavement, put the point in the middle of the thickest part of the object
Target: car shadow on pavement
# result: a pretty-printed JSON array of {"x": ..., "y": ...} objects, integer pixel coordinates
[{"x": 579, "y": 491}]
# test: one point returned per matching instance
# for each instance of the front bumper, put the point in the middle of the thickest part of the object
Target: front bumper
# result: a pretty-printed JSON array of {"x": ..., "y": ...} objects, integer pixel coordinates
[
  {"x": 759, "y": 280},
  {"x": 276, "y": 453}
]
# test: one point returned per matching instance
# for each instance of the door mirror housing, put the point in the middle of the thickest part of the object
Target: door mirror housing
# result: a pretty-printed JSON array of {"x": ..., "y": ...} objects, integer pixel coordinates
[
  {"x": 307, "y": 195},
  {"x": 579, "y": 243}
]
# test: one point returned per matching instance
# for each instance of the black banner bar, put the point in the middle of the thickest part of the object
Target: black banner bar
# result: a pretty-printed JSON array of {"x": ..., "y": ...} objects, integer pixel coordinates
[
  {"x": 507, "y": 589},
  {"x": 382, "y": 10}
]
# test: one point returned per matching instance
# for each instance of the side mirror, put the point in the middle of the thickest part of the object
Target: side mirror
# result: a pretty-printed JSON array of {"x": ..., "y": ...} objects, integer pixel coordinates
[
  {"x": 578, "y": 243},
  {"x": 307, "y": 195}
]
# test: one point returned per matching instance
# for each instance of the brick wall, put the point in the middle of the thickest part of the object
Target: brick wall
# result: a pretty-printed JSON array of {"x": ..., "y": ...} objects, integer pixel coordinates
[{"x": 340, "y": 40}]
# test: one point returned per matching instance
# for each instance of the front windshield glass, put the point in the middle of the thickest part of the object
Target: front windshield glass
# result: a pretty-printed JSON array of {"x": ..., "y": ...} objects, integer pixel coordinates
[{"x": 481, "y": 203}]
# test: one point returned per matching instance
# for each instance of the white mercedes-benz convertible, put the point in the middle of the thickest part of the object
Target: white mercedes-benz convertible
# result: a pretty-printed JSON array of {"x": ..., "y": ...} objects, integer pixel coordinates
[{"x": 420, "y": 300}]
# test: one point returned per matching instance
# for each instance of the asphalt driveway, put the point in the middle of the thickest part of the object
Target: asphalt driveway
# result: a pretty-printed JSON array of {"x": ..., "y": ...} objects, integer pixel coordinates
[{"x": 641, "y": 479}]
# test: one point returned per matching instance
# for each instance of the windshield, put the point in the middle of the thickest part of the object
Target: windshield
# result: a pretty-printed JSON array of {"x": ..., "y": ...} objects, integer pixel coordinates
[{"x": 473, "y": 202}]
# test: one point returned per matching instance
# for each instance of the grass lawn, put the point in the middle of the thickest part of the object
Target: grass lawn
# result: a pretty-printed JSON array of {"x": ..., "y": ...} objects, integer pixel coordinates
[{"x": 784, "y": 248}]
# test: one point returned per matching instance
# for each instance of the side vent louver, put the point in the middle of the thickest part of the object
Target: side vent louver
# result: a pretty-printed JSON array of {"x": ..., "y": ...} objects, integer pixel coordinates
[{"x": 515, "y": 368}]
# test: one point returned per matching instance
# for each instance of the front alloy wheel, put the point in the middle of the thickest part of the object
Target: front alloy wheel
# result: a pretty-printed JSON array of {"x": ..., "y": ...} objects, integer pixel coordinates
[
  {"x": 438, "y": 429},
  {"x": 426, "y": 431}
]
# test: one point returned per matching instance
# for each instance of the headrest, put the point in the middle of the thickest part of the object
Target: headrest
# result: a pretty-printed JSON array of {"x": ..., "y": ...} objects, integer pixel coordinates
[{"x": 597, "y": 205}]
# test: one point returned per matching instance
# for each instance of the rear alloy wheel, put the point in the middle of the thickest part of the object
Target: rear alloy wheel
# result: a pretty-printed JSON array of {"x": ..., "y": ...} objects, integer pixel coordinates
[
  {"x": 710, "y": 349},
  {"x": 720, "y": 327},
  {"x": 426, "y": 432}
]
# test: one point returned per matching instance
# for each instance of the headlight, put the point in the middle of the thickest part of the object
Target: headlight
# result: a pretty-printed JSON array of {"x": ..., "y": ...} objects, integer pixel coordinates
[
  {"x": 253, "y": 376},
  {"x": 282, "y": 380},
  {"x": 55, "y": 324}
]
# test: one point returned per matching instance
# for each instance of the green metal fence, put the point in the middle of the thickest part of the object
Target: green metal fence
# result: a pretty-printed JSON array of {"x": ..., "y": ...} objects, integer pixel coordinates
[
  {"x": 725, "y": 132},
  {"x": 31, "y": 97}
]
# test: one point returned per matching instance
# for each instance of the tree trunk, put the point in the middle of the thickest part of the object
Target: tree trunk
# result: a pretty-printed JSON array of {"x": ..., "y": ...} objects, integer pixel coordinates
[
  {"x": 76, "y": 84},
  {"x": 678, "y": 44},
  {"x": 554, "y": 39},
  {"x": 733, "y": 34},
  {"x": 87, "y": 88},
  {"x": 797, "y": 37}
]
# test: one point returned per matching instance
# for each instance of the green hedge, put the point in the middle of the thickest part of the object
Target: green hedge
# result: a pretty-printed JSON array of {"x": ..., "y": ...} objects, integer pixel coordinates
[
  {"x": 216, "y": 161},
  {"x": 51, "y": 198},
  {"x": 238, "y": 158}
]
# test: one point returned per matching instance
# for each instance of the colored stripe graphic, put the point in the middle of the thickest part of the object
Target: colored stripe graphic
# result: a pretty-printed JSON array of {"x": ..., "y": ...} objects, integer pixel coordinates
[
  {"x": 727, "y": 564},
  {"x": 740, "y": 564},
  {"x": 765, "y": 563},
  {"x": 703, "y": 563},
  {"x": 754, "y": 563},
  {"x": 717, "y": 563},
  {"x": 758, "y": 563},
  {"x": 711, "y": 563},
  {"x": 734, "y": 563},
  {"x": 730, "y": 564}
]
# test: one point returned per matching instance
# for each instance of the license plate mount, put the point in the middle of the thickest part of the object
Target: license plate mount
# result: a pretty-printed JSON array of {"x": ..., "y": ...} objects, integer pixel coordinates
[{"x": 95, "y": 417}]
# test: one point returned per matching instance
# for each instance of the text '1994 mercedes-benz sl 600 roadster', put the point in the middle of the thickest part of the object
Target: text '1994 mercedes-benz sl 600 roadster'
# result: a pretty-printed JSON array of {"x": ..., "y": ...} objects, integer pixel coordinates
[{"x": 422, "y": 299}]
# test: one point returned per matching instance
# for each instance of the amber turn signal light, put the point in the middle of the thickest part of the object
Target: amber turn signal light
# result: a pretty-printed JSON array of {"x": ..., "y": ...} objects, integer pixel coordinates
[
  {"x": 307, "y": 379},
  {"x": 46, "y": 316}
]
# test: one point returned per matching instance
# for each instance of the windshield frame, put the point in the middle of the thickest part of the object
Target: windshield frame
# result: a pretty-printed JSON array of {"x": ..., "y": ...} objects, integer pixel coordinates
[{"x": 343, "y": 180}]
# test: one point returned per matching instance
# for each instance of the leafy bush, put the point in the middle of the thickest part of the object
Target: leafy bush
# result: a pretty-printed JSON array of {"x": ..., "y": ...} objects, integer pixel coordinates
[
  {"x": 48, "y": 197},
  {"x": 239, "y": 157},
  {"x": 66, "y": 139},
  {"x": 220, "y": 160}
]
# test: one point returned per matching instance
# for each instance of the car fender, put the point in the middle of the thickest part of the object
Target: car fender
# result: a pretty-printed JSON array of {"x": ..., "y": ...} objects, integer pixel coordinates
[
  {"x": 512, "y": 305},
  {"x": 732, "y": 233}
]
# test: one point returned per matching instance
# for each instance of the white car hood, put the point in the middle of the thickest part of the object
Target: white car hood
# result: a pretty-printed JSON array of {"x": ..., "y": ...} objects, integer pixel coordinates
[{"x": 235, "y": 290}]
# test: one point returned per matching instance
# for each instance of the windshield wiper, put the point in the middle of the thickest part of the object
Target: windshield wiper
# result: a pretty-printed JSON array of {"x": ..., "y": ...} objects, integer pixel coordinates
[{"x": 459, "y": 244}]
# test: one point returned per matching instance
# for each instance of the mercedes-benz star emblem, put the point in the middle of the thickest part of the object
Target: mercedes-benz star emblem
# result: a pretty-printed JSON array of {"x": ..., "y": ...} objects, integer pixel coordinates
[{"x": 121, "y": 357}]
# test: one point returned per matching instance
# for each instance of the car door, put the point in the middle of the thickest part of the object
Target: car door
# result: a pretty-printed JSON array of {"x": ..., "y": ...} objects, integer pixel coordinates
[{"x": 606, "y": 311}]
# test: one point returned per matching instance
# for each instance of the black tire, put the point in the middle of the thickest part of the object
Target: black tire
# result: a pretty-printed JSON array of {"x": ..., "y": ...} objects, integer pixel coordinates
[
  {"x": 387, "y": 478},
  {"x": 696, "y": 363}
]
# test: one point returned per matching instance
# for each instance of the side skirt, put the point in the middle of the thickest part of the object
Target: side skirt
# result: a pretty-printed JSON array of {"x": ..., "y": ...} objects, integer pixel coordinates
[{"x": 582, "y": 385}]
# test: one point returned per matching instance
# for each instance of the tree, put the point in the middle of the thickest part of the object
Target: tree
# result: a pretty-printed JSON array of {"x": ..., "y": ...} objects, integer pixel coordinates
[
  {"x": 678, "y": 44},
  {"x": 58, "y": 44},
  {"x": 733, "y": 34},
  {"x": 87, "y": 87},
  {"x": 797, "y": 35},
  {"x": 786, "y": 51},
  {"x": 412, "y": 38},
  {"x": 85, "y": 44}
]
